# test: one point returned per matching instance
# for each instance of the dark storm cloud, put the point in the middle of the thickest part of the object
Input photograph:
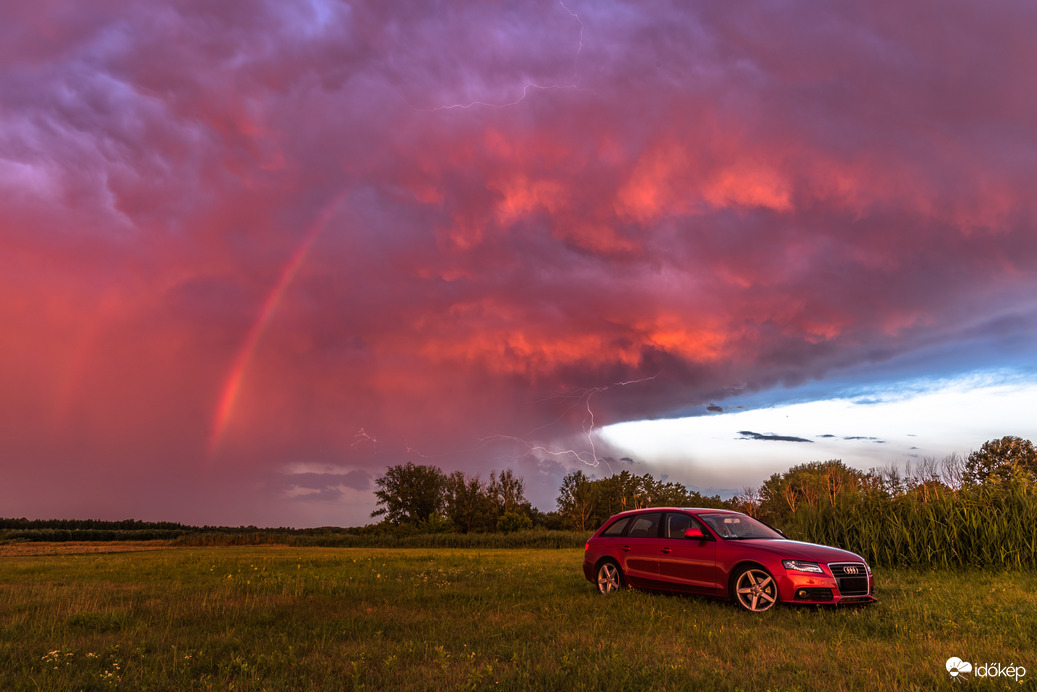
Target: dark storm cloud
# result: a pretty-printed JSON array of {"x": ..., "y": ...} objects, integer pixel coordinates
[
  {"x": 451, "y": 227},
  {"x": 770, "y": 437}
]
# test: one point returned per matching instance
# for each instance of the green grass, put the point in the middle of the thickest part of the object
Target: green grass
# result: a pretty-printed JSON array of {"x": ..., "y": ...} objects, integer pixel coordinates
[{"x": 278, "y": 618}]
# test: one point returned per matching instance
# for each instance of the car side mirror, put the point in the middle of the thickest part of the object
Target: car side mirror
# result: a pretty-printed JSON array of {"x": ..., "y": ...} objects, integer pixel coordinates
[{"x": 695, "y": 533}]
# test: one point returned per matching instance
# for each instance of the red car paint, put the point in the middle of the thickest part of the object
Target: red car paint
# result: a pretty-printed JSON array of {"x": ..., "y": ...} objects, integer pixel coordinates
[{"x": 725, "y": 554}]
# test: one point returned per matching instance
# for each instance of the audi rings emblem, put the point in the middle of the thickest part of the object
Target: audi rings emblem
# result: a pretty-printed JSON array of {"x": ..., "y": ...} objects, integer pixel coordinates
[{"x": 850, "y": 569}]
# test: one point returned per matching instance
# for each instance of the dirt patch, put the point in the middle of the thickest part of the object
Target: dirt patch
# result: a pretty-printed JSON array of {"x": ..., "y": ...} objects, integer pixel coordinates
[{"x": 77, "y": 547}]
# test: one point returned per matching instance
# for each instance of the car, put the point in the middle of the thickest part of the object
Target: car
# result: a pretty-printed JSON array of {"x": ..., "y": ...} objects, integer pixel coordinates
[{"x": 724, "y": 554}]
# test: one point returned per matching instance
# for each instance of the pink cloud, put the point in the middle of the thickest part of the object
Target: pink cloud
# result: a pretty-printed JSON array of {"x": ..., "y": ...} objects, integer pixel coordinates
[{"x": 528, "y": 204}]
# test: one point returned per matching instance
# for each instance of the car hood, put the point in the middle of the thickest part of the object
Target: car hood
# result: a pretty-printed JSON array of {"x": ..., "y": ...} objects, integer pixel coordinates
[{"x": 797, "y": 550}]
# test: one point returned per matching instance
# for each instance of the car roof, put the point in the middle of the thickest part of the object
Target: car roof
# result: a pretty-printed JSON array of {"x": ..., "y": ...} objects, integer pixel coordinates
[{"x": 693, "y": 510}]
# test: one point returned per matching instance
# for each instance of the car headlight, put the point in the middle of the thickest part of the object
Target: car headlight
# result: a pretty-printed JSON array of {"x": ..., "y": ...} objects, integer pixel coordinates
[{"x": 801, "y": 566}]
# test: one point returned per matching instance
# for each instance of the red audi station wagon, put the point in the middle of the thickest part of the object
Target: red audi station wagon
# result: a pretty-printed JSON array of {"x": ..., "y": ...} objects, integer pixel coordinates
[{"x": 721, "y": 553}]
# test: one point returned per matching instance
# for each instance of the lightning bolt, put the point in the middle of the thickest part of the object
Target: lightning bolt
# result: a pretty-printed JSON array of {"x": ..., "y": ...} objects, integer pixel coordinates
[
  {"x": 525, "y": 90},
  {"x": 529, "y": 85},
  {"x": 362, "y": 436},
  {"x": 579, "y": 48},
  {"x": 590, "y": 455}
]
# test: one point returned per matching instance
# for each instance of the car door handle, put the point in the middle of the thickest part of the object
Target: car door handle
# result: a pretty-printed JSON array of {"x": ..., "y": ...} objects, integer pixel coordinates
[
  {"x": 666, "y": 550},
  {"x": 625, "y": 549}
]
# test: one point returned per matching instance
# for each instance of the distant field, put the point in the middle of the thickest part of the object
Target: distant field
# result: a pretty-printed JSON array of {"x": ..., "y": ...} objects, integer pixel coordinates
[
  {"x": 80, "y": 547},
  {"x": 253, "y": 618}
]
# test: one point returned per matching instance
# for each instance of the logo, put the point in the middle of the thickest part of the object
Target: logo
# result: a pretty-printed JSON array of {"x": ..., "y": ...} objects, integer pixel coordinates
[
  {"x": 961, "y": 670},
  {"x": 850, "y": 569},
  {"x": 956, "y": 666}
]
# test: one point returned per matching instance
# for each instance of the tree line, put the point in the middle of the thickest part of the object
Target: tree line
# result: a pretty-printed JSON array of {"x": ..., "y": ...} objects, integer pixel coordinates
[
  {"x": 63, "y": 530},
  {"x": 424, "y": 497},
  {"x": 977, "y": 510}
]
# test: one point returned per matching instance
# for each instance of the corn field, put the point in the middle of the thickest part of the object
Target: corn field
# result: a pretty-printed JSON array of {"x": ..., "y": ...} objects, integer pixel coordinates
[{"x": 992, "y": 527}]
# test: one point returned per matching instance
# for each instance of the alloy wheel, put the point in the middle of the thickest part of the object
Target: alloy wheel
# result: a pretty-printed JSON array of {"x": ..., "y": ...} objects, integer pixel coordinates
[
  {"x": 756, "y": 590},
  {"x": 609, "y": 578}
]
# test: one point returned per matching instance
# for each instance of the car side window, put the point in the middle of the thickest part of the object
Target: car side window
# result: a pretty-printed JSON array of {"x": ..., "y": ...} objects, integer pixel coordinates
[
  {"x": 676, "y": 525},
  {"x": 617, "y": 527},
  {"x": 645, "y": 525}
]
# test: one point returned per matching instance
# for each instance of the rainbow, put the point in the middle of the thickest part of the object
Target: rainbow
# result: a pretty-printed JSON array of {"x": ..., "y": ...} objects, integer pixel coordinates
[{"x": 232, "y": 385}]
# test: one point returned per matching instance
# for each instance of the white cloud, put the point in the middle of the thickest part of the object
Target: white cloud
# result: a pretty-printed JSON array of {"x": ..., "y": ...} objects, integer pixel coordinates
[
  {"x": 886, "y": 425},
  {"x": 323, "y": 469}
]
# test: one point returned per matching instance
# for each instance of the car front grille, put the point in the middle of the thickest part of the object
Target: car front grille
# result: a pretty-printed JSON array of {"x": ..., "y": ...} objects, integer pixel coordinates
[{"x": 852, "y": 578}]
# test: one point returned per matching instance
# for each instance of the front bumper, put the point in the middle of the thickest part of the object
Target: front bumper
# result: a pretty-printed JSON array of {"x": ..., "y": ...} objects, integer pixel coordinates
[{"x": 826, "y": 589}]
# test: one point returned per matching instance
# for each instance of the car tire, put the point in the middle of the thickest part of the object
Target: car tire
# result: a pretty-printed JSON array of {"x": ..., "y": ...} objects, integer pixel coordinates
[
  {"x": 610, "y": 577},
  {"x": 754, "y": 589}
]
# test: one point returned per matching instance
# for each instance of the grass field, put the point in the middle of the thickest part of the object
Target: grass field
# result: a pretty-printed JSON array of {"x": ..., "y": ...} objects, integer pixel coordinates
[{"x": 275, "y": 618}]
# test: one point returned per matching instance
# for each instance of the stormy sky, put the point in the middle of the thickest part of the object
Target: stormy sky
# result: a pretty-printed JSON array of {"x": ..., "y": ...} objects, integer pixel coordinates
[{"x": 251, "y": 253}]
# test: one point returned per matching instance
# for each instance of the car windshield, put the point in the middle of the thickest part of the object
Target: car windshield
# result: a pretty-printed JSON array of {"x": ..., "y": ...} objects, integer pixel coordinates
[{"x": 737, "y": 527}]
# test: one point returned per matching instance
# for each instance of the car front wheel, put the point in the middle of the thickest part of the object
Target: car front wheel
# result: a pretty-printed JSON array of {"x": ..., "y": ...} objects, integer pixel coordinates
[
  {"x": 610, "y": 577},
  {"x": 755, "y": 589}
]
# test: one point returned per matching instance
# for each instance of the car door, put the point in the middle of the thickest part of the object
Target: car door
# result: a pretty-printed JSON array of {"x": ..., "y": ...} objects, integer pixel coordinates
[
  {"x": 641, "y": 548},
  {"x": 687, "y": 563}
]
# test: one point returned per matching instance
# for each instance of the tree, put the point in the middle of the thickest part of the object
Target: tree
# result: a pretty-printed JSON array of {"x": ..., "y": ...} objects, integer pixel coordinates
[
  {"x": 577, "y": 500},
  {"x": 748, "y": 502},
  {"x": 1010, "y": 459},
  {"x": 673, "y": 494},
  {"x": 468, "y": 505},
  {"x": 507, "y": 491},
  {"x": 410, "y": 494},
  {"x": 585, "y": 503},
  {"x": 811, "y": 484},
  {"x": 514, "y": 521},
  {"x": 552, "y": 521},
  {"x": 622, "y": 491}
]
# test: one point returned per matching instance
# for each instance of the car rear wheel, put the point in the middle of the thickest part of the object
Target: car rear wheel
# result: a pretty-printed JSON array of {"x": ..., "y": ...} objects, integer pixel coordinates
[
  {"x": 755, "y": 589},
  {"x": 610, "y": 577}
]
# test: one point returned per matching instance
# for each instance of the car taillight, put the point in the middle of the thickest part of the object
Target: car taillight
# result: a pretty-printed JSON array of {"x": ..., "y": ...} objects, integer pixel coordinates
[{"x": 586, "y": 546}]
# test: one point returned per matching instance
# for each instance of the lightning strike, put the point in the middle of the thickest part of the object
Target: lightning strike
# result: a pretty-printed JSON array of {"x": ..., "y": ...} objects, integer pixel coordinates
[
  {"x": 520, "y": 99},
  {"x": 579, "y": 48},
  {"x": 589, "y": 456},
  {"x": 529, "y": 84},
  {"x": 362, "y": 436}
]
